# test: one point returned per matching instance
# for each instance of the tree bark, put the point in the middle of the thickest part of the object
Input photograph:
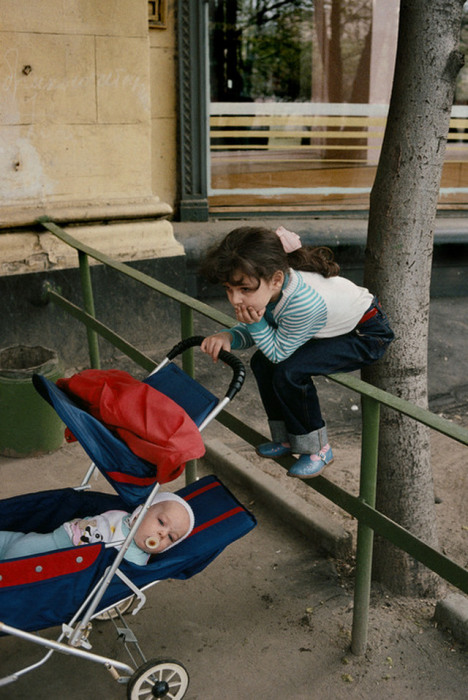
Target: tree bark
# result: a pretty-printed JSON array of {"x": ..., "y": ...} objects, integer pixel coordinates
[{"x": 398, "y": 263}]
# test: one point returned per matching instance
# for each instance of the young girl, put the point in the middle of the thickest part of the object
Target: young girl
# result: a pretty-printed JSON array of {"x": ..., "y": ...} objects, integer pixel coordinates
[
  {"x": 305, "y": 320},
  {"x": 168, "y": 521}
]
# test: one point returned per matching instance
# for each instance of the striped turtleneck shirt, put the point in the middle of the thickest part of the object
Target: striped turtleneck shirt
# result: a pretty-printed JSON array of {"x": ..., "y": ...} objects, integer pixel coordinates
[{"x": 310, "y": 306}]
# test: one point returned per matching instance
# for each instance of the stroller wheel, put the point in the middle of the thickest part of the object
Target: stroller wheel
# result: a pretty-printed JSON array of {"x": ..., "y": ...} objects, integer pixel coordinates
[{"x": 158, "y": 678}]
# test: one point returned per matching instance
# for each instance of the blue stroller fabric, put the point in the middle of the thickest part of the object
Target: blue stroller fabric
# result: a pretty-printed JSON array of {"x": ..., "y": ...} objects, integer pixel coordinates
[
  {"x": 193, "y": 397},
  {"x": 42, "y": 591},
  {"x": 131, "y": 476}
]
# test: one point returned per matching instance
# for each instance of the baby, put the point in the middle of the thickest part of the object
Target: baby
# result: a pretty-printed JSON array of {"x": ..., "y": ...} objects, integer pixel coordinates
[{"x": 168, "y": 521}]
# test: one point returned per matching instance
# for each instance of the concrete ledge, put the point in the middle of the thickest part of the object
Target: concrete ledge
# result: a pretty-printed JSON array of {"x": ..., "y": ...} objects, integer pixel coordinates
[
  {"x": 30, "y": 252},
  {"x": 452, "y": 613},
  {"x": 27, "y": 213},
  {"x": 312, "y": 523}
]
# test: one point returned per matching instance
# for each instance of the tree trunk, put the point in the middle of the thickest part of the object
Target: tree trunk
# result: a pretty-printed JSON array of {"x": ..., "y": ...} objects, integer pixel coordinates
[{"x": 398, "y": 269}]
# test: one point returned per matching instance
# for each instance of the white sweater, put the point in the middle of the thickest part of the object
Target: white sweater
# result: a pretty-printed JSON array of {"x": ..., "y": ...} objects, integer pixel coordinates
[{"x": 310, "y": 306}]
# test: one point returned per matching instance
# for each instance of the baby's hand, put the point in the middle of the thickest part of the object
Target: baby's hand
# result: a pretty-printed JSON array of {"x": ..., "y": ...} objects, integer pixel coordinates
[
  {"x": 214, "y": 343},
  {"x": 247, "y": 314}
]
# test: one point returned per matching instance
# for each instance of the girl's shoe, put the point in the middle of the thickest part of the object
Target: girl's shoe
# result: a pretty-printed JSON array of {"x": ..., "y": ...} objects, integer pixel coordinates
[
  {"x": 308, "y": 466},
  {"x": 273, "y": 450}
]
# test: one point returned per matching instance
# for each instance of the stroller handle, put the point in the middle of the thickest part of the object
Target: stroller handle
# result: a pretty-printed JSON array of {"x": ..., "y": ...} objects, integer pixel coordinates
[{"x": 228, "y": 358}]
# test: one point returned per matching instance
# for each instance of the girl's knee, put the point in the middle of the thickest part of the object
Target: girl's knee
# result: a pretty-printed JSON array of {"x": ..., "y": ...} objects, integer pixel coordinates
[
  {"x": 255, "y": 360},
  {"x": 287, "y": 375},
  {"x": 260, "y": 364}
]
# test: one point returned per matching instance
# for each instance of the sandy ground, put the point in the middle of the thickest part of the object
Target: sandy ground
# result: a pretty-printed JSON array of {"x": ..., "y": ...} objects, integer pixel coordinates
[{"x": 271, "y": 616}]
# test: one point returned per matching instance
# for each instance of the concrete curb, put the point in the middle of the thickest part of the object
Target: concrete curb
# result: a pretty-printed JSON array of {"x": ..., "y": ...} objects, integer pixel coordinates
[
  {"x": 293, "y": 510},
  {"x": 452, "y": 613}
]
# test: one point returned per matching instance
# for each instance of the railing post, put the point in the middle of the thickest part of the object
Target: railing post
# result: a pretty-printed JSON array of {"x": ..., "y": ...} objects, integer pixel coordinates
[
  {"x": 188, "y": 365},
  {"x": 88, "y": 302},
  {"x": 365, "y": 535}
]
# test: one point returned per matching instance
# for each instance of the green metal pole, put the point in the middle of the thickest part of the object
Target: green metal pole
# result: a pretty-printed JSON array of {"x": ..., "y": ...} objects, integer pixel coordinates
[
  {"x": 188, "y": 365},
  {"x": 88, "y": 302},
  {"x": 365, "y": 536}
]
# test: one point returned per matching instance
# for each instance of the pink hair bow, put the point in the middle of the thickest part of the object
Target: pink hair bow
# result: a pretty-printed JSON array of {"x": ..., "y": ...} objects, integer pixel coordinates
[{"x": 289, "y": 240}]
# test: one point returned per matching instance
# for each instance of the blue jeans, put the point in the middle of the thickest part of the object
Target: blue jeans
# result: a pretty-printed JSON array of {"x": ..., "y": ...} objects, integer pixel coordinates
[{"x": 286, "y": 388}]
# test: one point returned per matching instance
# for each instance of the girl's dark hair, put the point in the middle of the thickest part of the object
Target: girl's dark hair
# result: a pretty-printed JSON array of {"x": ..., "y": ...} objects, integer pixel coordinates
[{"x": 257, "y": 252}]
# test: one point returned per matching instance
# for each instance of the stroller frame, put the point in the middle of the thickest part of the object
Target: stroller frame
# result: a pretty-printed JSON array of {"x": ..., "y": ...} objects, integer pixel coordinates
[{"x": 162, "y": 678}]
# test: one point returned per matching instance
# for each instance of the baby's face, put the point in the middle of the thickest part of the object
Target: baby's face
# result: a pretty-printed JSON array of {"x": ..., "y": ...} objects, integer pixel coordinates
[{"x": 164, "y": 524}]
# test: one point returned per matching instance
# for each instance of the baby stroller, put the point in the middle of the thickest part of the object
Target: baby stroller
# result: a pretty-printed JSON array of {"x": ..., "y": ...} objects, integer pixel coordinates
[{"x": 71, "y": 587}]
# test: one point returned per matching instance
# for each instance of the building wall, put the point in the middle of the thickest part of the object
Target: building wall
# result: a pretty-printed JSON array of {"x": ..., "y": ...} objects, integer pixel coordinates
[
  {"x": 76, "y": 103},
  {"x": 87, "y": 138}
]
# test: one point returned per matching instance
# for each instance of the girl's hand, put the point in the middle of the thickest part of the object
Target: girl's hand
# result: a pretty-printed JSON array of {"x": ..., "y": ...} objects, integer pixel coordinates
[
  {"x": 214, "y": 343},
  {"x": 247, "y": 314}
]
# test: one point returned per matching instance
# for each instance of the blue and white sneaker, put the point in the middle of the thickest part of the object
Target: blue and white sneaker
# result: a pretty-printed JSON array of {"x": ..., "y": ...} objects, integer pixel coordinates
[{"x": 308, "y": 466}]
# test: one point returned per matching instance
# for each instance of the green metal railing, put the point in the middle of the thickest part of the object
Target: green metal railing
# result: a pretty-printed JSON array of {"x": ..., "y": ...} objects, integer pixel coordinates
[{"x": 362, "y": 507}]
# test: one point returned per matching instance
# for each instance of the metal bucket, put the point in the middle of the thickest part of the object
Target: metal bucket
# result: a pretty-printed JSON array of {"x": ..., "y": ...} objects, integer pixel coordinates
[{"x": 28, "y": 424}]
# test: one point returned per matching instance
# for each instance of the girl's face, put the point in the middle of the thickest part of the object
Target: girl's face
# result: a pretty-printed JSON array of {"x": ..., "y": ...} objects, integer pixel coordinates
[
  {"x": 247, "y": 292},
  {"x": 164, "y": 523}
]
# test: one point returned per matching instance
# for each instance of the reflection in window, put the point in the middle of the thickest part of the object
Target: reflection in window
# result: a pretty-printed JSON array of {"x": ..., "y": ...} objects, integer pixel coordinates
[{"x": 299, "y": 97}]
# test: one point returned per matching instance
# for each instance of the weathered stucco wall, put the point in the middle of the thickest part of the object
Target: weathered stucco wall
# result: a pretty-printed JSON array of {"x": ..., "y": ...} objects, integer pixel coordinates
[
  {"x": 75, "y": 103},
  {"x": 87, "y": 137},
  {"x": 85, "y": 131}
]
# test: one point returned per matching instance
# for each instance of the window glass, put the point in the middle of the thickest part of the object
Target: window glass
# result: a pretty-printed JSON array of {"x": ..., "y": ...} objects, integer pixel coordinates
[{"x": 299, "y": 96}]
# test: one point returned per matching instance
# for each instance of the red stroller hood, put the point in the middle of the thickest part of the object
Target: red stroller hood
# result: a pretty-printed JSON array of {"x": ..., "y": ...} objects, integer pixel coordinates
[{"x": 151, "y": 424}]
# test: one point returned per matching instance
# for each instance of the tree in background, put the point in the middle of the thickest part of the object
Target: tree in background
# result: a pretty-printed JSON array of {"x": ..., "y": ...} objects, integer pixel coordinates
[
  {"x": 398, "y": 267},
  {"x": 290, "y": 50}
]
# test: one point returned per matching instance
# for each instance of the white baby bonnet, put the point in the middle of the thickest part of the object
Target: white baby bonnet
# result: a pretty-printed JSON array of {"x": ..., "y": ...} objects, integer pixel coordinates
[{"x": 168, "y": 496}]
